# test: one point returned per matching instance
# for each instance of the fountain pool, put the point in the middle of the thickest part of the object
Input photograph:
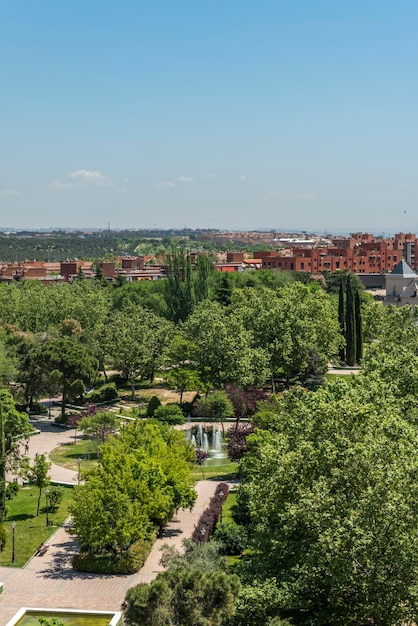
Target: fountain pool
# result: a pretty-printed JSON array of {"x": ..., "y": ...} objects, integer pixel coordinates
[{"x": 30, "y": 617}]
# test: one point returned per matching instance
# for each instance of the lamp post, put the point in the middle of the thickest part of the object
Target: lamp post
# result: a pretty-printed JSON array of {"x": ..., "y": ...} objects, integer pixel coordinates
[
  {"x": 13, "y": 540},
  {"x": 79, "y": 466},
  {"x": 47, "y": 503},
  {"x": 221, "y": 495}
]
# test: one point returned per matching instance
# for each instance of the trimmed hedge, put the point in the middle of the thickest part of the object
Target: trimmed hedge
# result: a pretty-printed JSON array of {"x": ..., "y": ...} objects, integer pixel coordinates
[
  {"x": 208, "y": 519},
  {"x": 128, "y": 563}
]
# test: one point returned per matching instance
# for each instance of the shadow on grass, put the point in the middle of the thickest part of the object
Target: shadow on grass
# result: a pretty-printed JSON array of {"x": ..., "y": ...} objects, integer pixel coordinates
[{"x": 20, "y": 517}]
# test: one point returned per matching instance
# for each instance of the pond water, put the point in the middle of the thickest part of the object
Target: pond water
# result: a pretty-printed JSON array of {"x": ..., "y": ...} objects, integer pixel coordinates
[{"x": 68, "y": 619}]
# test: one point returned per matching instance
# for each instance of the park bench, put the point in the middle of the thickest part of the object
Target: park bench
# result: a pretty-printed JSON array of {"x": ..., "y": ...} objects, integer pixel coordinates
[{"x": 41, "y": 549}]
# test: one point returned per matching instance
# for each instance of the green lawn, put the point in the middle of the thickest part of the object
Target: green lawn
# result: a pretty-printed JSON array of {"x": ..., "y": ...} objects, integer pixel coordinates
[
  {"x": 68, "y": 455},
  {"x": 226, "y": 471},
  {"x": 30, "y": 530}
]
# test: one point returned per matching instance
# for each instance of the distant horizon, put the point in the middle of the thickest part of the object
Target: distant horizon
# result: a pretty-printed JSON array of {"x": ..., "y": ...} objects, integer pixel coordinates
[{"x": 283, "y": 231}]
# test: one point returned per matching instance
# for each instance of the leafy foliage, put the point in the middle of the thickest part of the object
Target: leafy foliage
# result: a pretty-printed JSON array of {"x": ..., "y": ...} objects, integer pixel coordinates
[
  {"x": 332, "y": 497},
  {"x": 143, "y": 478},
  {"x": 170, "y": 414},
  {"x": 195, "y": 590}
]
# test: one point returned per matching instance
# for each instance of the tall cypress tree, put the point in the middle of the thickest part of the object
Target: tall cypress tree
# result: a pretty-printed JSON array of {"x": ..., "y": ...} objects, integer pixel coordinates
[
  {"x": 359, "y": 329},
  {"x": 341, "y": 318},
  {"x": 350, "y": 323}
]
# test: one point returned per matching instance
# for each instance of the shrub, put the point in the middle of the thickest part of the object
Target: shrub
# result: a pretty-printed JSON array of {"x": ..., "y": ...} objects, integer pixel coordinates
[
  {"x": 39, "y": 408},
  {"x": 105, "y": 393},
  {"x": 153, "y": 405},
  {"x": 127, "y": 563},
  {"x": 170, "y": 414},
  {"x": 12, "y": 490},
  {"x": 210, "y": 516},
  {"x": 3, "y": 538},
  {"x": 56, "y": 494},
  {"x": 231, "y": 536}
]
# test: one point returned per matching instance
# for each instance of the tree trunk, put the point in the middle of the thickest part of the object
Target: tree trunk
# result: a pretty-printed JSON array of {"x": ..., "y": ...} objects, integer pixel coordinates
[
  {"x": 39, "y": 501},
  {"x": 132, "y": 389},
  {"x": 273, "y": 384}
]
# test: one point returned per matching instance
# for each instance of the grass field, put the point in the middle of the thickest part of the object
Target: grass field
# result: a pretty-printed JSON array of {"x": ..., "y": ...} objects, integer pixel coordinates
[
  {"x": 228, "y": 471},
  {"x": 30, "y": 530},
  {"x": 68, "y": 455}
]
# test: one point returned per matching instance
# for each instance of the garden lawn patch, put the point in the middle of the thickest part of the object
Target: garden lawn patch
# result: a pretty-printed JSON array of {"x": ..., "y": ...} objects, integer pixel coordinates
[
  {"x": 228, "y": 471},
  {"x": 31, "y": 530},
  {"x": 68, "y": 455}
]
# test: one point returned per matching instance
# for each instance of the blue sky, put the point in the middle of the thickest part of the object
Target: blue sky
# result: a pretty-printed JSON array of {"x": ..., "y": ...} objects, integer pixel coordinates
[{"x": 219, "y": 114}]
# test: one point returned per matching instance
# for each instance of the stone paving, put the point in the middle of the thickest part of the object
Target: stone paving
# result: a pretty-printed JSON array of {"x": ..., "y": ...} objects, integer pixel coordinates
[{"x": 50, "y": 581}]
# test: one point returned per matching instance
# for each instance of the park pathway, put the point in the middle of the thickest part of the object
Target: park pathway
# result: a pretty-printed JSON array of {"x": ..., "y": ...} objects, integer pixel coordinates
[{"x": 51, "y": 582}]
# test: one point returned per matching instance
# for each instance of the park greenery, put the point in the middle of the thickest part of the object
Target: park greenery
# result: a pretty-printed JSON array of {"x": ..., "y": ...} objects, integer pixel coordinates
[{"x": 324, "y": 529}]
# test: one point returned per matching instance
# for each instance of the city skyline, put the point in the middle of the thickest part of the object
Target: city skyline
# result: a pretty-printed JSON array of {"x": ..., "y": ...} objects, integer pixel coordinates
[{"x": 228, "y": 115}]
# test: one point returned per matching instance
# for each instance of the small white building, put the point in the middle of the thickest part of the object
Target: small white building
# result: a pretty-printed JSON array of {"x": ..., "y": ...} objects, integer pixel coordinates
[{"x": 401, "y": 285}]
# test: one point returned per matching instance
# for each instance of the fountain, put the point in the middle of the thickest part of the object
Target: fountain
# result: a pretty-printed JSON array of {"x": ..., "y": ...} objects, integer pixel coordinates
[
  {"x": 217, "y": 442},
  {"x": 208, "y": 439}
]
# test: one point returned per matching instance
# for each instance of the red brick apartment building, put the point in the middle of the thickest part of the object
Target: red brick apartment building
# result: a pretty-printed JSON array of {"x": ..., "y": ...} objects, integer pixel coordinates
[{"x": 361, "y": 253}]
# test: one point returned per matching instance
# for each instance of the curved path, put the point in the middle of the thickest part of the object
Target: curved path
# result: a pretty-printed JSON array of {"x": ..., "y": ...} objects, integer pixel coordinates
[{"x": 51, "y": 582}]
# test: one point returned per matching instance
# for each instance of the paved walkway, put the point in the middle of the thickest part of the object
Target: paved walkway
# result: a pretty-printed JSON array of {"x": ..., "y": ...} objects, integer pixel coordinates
[{"x": 51, "y": 582}]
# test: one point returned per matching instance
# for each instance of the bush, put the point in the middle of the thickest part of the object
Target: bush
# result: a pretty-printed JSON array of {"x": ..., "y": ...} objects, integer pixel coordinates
[
  {"x": 12, "y": 490},
  {"x": 127, "y": 563},
  {"x": 231, "y": 536},
  {"x": 105, "y": 393},
  {"x": 3, "y": 538},
  {"x": 153, "y": 405},
  {"x": 210, "y": 516},
  {"x": 56, "y": 494},
  {"x": 39, "y": 408},
  {"x": 170, "y": 414}
]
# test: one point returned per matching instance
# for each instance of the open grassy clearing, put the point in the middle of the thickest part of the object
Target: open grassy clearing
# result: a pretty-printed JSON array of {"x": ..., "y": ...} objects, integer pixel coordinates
[
  {"x": 227, "y": 471},
  {"x": 31, "y": 530},
  {"x": 68, "y": 454}
]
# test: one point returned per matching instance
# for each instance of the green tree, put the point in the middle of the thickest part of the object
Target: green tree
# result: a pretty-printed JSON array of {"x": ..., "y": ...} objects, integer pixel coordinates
[
  {"x": 143, "y": 478},
  {"x": 333, "y": 502},
  {"x": 359, "y": 327},
  {"x": 350, "y": 323},
  {"x": 179, "y": 287},
  {"x": 38, "y": 476},
  {"x": 170, "y": 414},
  {"x": 73, "y": 361},
  {"x": 99, "y": 426},
  {"x": 292, "y": 325},
  {"x": 12, "y": 424},
  {"x": 184, "y": 378},
  {"x": 221, "y": 348},
  {"x": 341, "y": 319},
  {"x": 195, "y": 590},
  {"x": 216, "y": 406},
  {"x": 135, "y": 341}
]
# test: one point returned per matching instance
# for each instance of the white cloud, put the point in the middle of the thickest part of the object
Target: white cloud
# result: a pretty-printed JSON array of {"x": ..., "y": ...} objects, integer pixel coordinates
[
  {"x": 121, "y": 189},
  {"x": 242, "y": 178},
  {"x": 208, "y": 176},
  {"x": 167, "y": 185},
  {"x": 82, "y": 177},
  {"x": 57, "y": 184},
  {"x": 11, "y": 192},
  {"x": 185, "y": 179},
  {"x": 88, "y": 176},
  {"x": 273, "y": 195}
]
